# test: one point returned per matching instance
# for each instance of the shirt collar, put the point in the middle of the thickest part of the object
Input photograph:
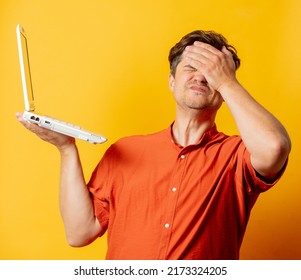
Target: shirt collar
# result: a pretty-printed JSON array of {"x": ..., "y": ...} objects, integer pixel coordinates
[{"x": 205, "y": 138}]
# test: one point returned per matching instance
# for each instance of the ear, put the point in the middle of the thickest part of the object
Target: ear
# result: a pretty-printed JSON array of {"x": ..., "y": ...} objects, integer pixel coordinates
[{"x": 171, "y": 82}]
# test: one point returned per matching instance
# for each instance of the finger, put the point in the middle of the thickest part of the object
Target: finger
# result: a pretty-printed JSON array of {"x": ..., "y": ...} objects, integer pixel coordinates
[
  {"x": 22, "y": 120},
  {"x": 192, "y": 53},
  {"x": 207, "y": 48},
  {"x": 19, "y": 116},
  {"x": 200, "y": 60},
  {"x": 194, "y": 63},
  {"x": 204, "y": 53},
  {"x": 30, "y": 126},
  {"x": 227, "y": 52},
  {"x": 229, "y": 56}
]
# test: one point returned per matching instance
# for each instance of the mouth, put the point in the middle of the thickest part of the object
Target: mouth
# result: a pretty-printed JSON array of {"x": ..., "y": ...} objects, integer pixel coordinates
[{"x": 199, "y": 88}]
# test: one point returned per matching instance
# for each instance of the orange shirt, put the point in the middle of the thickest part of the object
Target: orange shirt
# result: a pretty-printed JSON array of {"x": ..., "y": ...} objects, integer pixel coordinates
[{"x": 162, "y": 201}]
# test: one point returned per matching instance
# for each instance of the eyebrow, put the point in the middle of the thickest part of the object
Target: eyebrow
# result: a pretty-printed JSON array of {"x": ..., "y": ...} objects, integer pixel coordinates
[{"x": 189, "y": 66}]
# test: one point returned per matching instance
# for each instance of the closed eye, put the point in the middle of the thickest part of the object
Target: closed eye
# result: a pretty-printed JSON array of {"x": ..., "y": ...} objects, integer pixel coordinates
[{"x": 189, "y": 68}]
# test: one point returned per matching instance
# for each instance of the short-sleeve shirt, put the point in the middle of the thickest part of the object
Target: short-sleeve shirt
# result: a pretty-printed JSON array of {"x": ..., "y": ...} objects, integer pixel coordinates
[{"x": 158, "y": 200}]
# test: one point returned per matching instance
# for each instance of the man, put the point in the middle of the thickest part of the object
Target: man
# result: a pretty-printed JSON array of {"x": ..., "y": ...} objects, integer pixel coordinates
[{"x": 185, "y": 192}]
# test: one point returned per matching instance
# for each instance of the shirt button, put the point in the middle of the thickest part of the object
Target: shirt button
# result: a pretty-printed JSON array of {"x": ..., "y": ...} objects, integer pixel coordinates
[
  {"x": 166, "y": 225},
  {"x": 174, "y": 189},
  {"x": 182, "y": 156}
]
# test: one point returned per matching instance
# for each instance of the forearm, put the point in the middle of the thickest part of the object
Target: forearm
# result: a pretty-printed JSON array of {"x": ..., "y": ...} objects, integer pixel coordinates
[
  {"x": 81, "y": 225},
  {"x": 264, "y": 136},
  {"x": 76, "y": 207}
]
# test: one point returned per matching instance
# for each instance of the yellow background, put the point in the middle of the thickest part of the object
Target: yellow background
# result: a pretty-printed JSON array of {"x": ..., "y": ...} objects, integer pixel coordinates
[{"x": 103, "y": 65}]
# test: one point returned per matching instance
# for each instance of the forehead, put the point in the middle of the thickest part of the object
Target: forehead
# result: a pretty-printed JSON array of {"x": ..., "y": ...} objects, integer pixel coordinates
[
  {"x": 179, "y": 62},
  {"x": 184, "y": 62}
]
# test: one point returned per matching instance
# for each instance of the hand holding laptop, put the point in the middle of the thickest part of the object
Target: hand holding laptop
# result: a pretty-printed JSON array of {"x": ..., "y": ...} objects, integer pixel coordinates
[{"x": 57, "y": 139}]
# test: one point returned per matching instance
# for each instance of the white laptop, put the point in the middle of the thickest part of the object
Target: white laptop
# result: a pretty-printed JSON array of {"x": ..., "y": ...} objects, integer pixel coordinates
[{"x": 45, "y": 121}]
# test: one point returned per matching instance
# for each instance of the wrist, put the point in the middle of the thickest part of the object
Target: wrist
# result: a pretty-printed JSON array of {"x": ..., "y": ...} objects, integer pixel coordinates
[
  {"x": 67, "y": 147},
  {"x": 230, "y": 87}
]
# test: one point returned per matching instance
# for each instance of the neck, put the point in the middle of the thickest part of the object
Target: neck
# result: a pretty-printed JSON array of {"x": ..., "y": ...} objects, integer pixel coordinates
[{"x": 188, "y": 129}]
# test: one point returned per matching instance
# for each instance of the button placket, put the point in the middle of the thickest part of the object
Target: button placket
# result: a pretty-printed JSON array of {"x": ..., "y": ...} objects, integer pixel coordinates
[{"x": 174, "y": 190}]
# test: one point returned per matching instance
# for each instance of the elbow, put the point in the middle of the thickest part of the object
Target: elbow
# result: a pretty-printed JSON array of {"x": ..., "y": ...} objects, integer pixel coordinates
[
  {"x": 278, "y": 153},
  {"x": 83, "y": 236},
  {"x": 77, "y": 241},
  {"x": 271, "y": 158},
  {"x": 275, "y": 158},
  {"x": 281, "y": 149}
]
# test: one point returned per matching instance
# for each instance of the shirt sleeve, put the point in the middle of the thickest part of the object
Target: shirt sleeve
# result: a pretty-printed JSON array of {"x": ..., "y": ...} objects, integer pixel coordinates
[{"x": 253, "y": 182}]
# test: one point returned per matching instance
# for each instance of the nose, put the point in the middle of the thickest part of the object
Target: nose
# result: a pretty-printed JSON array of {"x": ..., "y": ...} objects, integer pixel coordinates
[{"x": 199, "y": 78}]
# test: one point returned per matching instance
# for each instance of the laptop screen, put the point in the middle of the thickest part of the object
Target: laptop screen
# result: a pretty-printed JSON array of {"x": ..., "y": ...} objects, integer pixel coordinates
[{"x": 25, "y": 69}]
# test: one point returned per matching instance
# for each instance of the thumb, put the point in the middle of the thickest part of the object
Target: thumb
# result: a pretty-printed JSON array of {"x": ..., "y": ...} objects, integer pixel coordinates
[{"x": 226, "y": 51}]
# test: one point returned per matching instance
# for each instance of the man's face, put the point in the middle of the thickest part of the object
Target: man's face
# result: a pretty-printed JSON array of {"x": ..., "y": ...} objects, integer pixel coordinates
[{"x": 191, "y": 90}]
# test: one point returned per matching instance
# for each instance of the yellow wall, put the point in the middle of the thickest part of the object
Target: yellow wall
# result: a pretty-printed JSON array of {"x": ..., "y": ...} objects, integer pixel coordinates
[{"x": 103, "y": 65}]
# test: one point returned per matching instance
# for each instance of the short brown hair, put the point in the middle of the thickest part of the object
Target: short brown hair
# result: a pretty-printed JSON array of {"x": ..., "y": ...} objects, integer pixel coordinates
[{"x": 210, "y": 37}]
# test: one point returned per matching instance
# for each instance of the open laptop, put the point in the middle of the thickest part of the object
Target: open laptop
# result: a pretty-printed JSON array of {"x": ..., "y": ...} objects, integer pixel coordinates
[{"x": 29, "y": 113}]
